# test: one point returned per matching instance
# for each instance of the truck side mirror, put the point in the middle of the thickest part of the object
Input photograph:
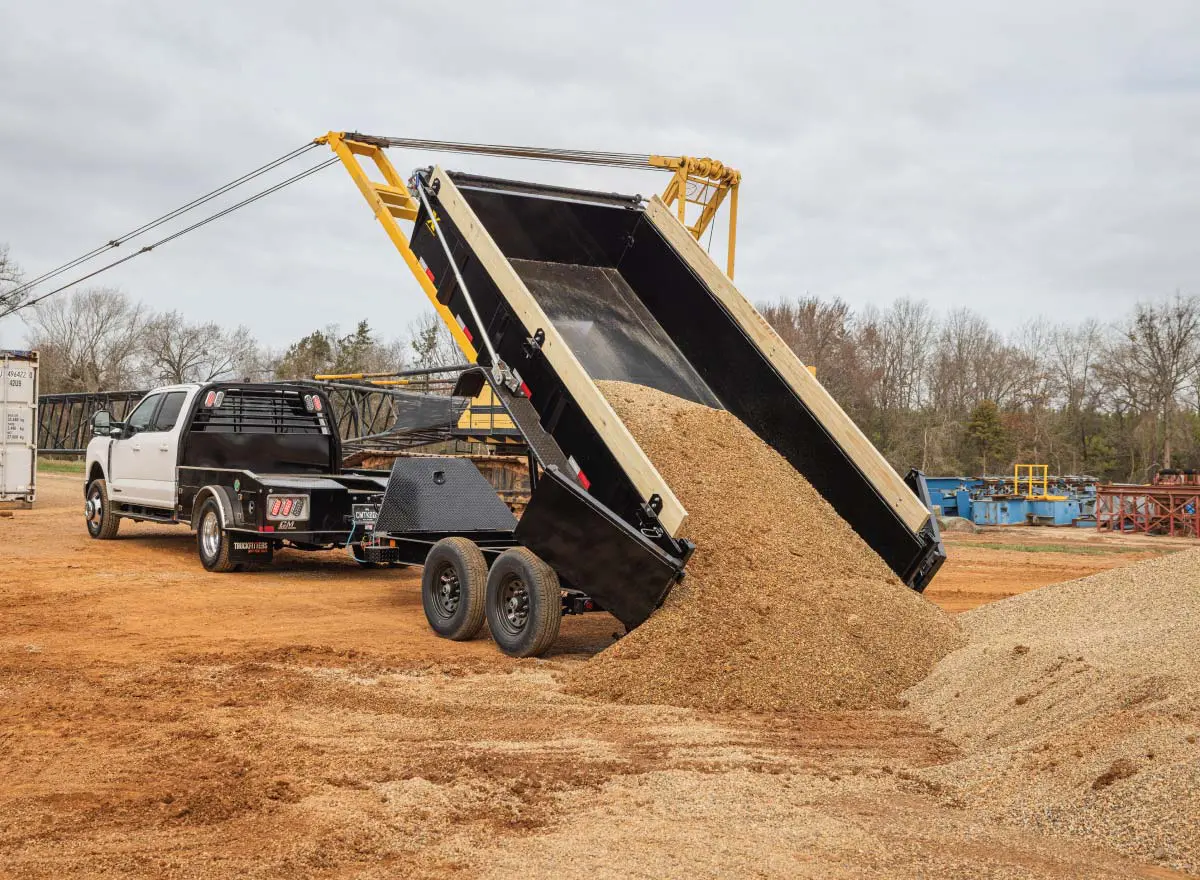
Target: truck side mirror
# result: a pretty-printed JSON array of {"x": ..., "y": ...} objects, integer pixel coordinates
[{"x": 101, "y": 423}]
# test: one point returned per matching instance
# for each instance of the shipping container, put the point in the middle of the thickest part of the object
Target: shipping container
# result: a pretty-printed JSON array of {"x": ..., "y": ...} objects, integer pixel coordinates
[{"x": 18, "y": 416}]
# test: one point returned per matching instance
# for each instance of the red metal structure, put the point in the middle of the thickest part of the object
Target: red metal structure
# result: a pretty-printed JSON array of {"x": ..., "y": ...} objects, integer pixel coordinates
[{"x": 1164, "y": 508}]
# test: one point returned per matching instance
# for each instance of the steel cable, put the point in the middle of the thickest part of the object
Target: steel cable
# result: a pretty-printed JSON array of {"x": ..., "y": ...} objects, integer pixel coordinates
[
  {"x": 147, "y": 248},
  {"x": 165, "y": 218}
]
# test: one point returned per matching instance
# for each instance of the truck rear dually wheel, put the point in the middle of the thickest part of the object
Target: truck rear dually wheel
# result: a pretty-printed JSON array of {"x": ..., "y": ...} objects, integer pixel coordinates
[
  {"x": 452, "y": 588},
  {"x": 523, "y": 603},
  {"x": 102, "y": 522},
  {"x": 212, "y": 541}
]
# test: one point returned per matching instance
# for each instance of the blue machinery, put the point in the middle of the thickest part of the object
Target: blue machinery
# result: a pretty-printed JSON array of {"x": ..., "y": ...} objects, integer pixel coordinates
[{"x": 1023, "y": 499}]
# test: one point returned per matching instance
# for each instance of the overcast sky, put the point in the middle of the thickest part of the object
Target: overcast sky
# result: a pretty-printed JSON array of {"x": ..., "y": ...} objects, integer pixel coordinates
[{"x": 1022, "y": 159}]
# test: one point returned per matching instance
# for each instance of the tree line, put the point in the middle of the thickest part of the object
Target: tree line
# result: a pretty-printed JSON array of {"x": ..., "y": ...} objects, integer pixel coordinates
[
  {"x": 948, "y": 393},
  {"x": 953, "y": 395}
]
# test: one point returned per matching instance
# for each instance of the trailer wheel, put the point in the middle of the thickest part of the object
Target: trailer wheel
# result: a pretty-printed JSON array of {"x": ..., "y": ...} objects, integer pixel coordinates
[
  {"x": 102, "y": 522},
  {"x": 524, "y": 603},
  {"x": 212, "y": 541},
  {"x": 452, "y": 588}
]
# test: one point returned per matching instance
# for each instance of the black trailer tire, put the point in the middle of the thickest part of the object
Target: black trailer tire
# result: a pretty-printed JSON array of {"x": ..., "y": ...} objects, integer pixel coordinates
[
  {"x": 524, "y": 603},
  {"x": 212, "y": 541},
  {"x": 102, "y": 521},
  {"x": 452, "y": 588}
]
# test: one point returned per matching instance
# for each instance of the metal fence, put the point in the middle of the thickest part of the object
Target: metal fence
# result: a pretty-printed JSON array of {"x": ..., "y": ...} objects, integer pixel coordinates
[
  {"x": 369, "y": 418},
  {"x": 64, "y": 420}
]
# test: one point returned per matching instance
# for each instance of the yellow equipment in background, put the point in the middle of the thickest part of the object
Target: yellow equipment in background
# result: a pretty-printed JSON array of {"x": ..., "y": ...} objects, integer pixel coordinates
[{"x": 1034, "y": 476}]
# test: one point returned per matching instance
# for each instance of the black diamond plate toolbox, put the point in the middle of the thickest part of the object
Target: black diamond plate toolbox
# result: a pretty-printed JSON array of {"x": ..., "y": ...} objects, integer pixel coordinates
[{"x": 441, "y": 495}]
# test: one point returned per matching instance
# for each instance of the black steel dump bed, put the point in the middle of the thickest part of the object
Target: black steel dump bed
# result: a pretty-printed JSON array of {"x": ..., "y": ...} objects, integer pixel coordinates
[{"x": 573, "y": 287}]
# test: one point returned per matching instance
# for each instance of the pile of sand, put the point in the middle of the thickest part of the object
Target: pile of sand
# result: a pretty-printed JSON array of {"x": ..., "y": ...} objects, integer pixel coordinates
[
  {"x": 1078, "y": 709},
  {"x": 784, "y": 606}
]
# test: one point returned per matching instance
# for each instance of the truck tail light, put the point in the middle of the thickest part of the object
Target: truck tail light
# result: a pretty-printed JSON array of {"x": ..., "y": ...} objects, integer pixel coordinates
[
  {"x": 317, "y": 405},
  {"x": 287, "y": 507},
  {"x": 308, "y": 402}
]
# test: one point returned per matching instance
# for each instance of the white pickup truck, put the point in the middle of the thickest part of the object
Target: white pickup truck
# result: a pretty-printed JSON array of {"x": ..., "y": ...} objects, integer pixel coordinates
[{"x": 249, "y": 467}]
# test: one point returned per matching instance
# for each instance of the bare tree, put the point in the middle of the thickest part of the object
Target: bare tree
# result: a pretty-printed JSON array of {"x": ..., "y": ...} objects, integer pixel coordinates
[
  {"x": 10, "y": 279},
  {"x": 176, "y": 351},
  {"x": 1155, "y": 357},
  {"x": 430, "y": 341},
  {"x": 89, "y": 340}
]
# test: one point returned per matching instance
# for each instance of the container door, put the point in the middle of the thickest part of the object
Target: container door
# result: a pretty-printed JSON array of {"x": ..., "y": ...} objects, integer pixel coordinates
[{"x": 18, "y": 430}]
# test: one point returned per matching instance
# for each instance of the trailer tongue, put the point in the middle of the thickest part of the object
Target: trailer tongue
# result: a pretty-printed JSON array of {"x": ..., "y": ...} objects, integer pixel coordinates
[{"x": 559, "y": 288}]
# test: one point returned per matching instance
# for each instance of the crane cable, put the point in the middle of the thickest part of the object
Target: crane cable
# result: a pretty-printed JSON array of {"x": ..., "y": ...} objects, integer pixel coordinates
[
  {"x": 542, "y": 154},
  {"x": 147, "y": 248}
]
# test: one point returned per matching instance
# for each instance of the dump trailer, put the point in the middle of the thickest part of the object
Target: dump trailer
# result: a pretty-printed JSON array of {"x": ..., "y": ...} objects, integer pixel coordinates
[{"x": 553, "y": 289}]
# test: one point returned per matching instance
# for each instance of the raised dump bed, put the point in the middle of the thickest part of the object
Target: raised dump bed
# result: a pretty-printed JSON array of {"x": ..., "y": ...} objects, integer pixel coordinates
[{"x": 572, "y": 287}]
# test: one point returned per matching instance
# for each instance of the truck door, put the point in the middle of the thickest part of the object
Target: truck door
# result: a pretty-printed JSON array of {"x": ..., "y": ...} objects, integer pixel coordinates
[
  {"x": 160, "y": 445},
  {"x": 131, "y": 463}
]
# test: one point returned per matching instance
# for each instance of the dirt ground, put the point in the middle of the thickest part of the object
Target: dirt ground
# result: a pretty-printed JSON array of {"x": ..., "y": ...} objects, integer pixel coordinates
[
  {"x": 1001, "y": 562},
  {"x": 160, "y": 721}
]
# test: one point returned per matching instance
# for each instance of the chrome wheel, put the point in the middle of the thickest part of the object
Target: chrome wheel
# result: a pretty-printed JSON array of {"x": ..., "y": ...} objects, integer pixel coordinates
[
  {"x": 447, "y": 593},
  {"x": 210, "y": 534},
  {"x": 514, "y": 604},
  {"x": 94, "y": 508}
]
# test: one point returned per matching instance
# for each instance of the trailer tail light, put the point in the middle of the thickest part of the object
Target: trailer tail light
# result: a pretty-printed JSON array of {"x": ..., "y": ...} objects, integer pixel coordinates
[{"x": 287, "y": 507}]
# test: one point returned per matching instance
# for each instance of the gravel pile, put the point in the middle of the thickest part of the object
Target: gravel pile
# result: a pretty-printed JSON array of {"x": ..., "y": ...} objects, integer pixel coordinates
[
  {"x": 784, "y": 606},
  {"x": 1078, "y": 709}
]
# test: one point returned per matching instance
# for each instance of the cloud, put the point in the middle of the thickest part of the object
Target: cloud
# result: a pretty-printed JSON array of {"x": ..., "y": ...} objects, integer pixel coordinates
[{"x": 1021, "y": 159}]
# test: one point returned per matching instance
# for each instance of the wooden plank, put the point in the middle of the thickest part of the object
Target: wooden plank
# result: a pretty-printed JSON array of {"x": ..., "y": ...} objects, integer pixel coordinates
[
  {"x": 889, "y": 484},
  {"x": 596, "y": 409}
]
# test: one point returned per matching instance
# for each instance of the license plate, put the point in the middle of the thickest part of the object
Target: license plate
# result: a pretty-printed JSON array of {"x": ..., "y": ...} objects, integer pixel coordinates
[{"x": 365, "y": 514}]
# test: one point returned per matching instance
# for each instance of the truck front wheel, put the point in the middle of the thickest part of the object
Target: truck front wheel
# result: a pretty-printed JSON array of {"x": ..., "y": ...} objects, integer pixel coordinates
[
  {"x": 524, "y": 603},
  {"x": 102, "y": 522},
  {"x": 452, "y": 587},
  {"x": 212, "y": 541}
]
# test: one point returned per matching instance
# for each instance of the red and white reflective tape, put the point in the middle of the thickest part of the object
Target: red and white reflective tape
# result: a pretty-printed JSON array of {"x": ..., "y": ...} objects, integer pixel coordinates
[
  {"x": 583, "y": 480},
  {"x": 462, "y": 325},
  {"x": 425, "y": 266}
]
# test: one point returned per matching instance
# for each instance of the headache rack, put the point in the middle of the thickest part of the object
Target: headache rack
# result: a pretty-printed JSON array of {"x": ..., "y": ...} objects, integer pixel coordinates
[
  {"x": 268, "y": 429},
  {"x": 249, "y": 410}
]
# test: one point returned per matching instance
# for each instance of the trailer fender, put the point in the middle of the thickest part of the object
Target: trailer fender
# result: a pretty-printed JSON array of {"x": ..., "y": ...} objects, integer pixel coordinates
[{"x": 231, "y": 512}]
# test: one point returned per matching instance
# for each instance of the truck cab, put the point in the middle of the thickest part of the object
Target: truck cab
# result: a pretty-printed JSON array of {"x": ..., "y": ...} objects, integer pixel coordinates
[
  {"x": 250, "y": 467},
  {"x": 138, "y": 458}
]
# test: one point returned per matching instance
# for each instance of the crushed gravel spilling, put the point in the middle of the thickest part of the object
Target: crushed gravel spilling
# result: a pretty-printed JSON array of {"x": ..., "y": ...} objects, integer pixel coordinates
[
  {"x": 1078, "y": 709},
  {"x": 784, "y": 606}
]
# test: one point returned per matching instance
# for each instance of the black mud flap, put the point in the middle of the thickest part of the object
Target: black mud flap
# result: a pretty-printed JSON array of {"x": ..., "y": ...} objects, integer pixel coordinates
[
  {"x": 249, "y": 548},
  {"x": 594, "y": 550}
]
